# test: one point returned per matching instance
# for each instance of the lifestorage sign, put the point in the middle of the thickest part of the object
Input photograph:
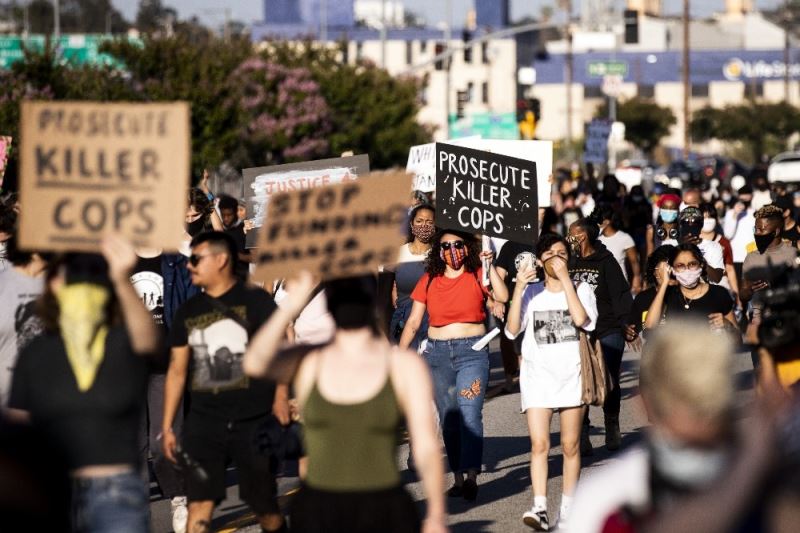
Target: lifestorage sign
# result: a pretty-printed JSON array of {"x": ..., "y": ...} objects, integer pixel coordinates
[
  {"x": 336, "y": 230},
  {"x": 88, "y": 169},
  {"x": 487, "y": 193}
]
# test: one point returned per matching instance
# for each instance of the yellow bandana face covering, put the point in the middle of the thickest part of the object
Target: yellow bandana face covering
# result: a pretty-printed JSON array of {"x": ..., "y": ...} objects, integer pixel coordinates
[{"x": 81, "y": 321}]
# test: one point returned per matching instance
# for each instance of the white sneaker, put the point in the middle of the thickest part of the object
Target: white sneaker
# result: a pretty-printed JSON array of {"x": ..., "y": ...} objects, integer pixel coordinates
[
  {"x": 537, "y": 519},
  {"x": 563, "y": 519},
  {"x": 180, "y": 514}
]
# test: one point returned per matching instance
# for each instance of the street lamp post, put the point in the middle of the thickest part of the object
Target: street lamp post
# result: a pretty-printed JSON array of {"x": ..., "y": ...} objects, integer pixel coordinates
[{"x": 569, "y": 74}]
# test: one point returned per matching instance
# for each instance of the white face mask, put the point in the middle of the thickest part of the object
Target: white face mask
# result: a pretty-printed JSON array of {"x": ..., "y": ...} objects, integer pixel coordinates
[
  {"x": 709, "y": 225},
  {"x": 686, "y": 466}
]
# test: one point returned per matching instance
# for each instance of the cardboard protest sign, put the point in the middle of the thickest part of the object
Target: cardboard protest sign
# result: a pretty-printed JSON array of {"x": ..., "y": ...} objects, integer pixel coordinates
[
  {"x": 335, "y": 231},
  {"x": 596, "y": 145},
  {"x": 262, "y": 182},
  {"x": 422, "y": 163},
  {"x": 5, "y": 151},
  {"x": 88, "y": 169},
  {"x": 539, "y": 151},
  {"x": 487, "y": 193}
]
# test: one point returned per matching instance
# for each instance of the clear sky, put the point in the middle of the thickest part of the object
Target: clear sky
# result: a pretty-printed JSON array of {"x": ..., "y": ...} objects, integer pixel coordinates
[{"x": 212, "y": 11}]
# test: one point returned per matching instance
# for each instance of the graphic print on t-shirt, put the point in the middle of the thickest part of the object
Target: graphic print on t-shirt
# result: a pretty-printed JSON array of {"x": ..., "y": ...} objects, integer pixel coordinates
[
  {"x": 551, "y": 327},
  {"x": 150, "y": 288},
  {"x": 218, "y": 345},
  {"x": 27, "y": 324}
]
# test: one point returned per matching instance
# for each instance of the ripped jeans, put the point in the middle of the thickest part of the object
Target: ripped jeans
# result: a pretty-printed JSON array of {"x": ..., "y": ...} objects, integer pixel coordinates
[{"x": 460, "y": 375}]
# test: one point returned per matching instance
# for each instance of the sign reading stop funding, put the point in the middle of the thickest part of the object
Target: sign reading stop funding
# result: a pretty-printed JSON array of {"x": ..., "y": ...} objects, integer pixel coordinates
[
  {"x": 335, "y": 231},
  {"x": 486, "y": 193},
  {"x": 88, "y": 169}
]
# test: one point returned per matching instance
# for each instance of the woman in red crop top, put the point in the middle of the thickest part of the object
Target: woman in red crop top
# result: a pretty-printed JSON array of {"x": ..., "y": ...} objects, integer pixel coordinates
[{"x": 452, "y": 293}]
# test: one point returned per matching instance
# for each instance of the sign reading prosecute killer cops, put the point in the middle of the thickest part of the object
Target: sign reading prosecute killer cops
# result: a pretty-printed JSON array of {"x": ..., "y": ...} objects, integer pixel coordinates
[
  {"x": 334, "y": 231},
  {"x": 88, "y": 169},
  {"x": 487, "y": 193},
  {"x": 262, "y": 182}
]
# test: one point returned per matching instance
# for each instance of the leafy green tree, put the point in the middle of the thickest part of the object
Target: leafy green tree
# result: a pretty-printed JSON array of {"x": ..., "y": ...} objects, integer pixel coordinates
[
  {"x": 646, "y": 122},
  {"x": 757, "y": 125},
  {"x": 77, "y": 16},
  {"x": 153, "y": 16},
  {"x": 372, "y": 112}
]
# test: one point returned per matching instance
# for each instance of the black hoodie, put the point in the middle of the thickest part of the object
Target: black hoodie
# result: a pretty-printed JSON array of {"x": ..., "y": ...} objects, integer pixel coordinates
[{"x": 613, "y": 294}]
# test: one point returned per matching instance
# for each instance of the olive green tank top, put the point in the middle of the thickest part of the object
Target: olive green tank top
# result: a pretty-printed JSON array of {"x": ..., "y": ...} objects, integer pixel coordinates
[{"x": 351, "y": 447}]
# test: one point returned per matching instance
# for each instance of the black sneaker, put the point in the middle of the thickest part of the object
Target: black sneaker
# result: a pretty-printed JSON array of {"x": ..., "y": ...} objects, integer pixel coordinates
[
  {"x": 536, "y": 519},
  {"x": 470, "y": 489},
  {"x": 456, "y": 491}
]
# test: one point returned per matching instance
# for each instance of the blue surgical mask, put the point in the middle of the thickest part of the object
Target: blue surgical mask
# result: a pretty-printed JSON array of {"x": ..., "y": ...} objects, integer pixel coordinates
[{"x": 669, "y": 215}]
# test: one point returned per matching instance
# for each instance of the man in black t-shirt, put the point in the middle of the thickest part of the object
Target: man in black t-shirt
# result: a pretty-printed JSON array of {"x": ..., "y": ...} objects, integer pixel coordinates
[
  {"x": 209, "y": 336},
  {"x": 512, "y": 256}
]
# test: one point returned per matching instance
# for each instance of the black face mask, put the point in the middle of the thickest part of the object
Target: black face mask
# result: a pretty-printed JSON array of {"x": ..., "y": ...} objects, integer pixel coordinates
[
  {"x": 746, "y": 203},
  {"x": 195, "y": 228},
  {"x": 763, "y": 241}
]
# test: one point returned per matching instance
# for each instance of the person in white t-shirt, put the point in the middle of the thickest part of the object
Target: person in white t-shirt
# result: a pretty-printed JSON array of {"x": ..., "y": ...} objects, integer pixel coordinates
[
  {"x": 738, "y": 226},
  {"x": 550, "y": 313},
  {"x": 619, "y": 243}
]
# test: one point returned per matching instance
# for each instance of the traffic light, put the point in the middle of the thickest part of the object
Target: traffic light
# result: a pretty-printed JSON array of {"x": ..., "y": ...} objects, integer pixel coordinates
[
  {"x": 462, "y": 97},
  {"x": 437, "y": 50},
  {"x": 631, "y": 17}
]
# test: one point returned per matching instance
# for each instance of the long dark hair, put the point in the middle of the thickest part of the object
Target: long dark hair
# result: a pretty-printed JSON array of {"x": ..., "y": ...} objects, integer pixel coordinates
[
  {"x": 435, "y": 265},
  {"x": 413, "y": 214},
  {"x": 77, "y": 267}
]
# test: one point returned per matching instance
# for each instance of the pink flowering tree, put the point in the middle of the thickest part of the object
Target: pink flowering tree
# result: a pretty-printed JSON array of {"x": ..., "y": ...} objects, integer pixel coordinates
[{"x": 284, "y": 116}]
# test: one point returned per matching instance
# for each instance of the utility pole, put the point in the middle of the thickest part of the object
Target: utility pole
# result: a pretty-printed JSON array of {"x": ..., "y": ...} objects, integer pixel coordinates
[
  {"x": 569, "y": 73},
  {"x": 323, "y": 21},
  {"x": 26, "y": 20},
  {"x": 383, "y": 34},
  {"x": 56, "y": 20},
  {"x": 787, "y": 20},
  {"x": 447, "y": 38},
  {"x": 686, "y": 83},
  {"x": 227, "y": 30}
]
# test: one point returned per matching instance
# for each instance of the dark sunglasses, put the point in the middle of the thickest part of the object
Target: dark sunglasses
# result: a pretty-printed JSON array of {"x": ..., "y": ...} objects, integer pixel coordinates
[
  {"x": 194, "y": 260},
  {"x": 458, "y": 245}
]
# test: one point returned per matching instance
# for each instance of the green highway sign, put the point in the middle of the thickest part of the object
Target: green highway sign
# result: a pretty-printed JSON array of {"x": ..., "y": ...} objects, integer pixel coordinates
[
  {"x": 80, "y": 49},
  {"x": 598, "y": 69}
]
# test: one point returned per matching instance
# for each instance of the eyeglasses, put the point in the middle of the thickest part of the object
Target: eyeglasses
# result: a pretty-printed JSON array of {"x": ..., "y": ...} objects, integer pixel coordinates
[
  {"x": 458, "y": 245},
  {"x": 680, "y": 267},
  {"x": 194, "y": 260}
]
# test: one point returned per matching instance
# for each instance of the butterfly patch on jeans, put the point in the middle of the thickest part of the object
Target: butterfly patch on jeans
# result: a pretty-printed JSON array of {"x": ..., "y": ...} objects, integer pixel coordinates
[{"x": 473, "y": 391}]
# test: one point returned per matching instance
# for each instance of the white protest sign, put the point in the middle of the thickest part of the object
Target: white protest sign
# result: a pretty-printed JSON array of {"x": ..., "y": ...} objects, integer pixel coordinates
[
  {"x": 540, "y": 152},
  {"x": 596, "y": 149},
  {"x": 263, "y": 182},
  {"x": 422, "y": 163}
]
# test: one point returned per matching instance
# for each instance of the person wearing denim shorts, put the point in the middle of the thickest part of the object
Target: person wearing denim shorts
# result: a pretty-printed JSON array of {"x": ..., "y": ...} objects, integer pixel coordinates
[
  {"x": 82, "y": 382},
  {"x": 453, "y": 295}
]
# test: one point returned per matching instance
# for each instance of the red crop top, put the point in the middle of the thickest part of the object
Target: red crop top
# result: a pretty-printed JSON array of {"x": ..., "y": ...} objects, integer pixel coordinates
[{"x": 452, "y": 300}]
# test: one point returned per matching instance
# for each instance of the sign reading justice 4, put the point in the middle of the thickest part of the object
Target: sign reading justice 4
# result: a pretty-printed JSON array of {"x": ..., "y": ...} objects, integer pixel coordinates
[
  {"x": 90, "y": 168},
  {"x": 487, "y": 193},
  {"x": 336, "y": 230}
]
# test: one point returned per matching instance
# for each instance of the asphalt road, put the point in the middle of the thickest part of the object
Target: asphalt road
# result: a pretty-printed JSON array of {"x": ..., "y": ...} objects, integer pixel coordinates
[{"x": 505, "y": 490}]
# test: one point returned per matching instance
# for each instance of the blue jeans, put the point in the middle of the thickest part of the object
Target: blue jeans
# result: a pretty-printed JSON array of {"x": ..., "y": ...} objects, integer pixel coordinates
[
  {"x": 460, "y": 375},
  {"x": 113, "y": 504},
  {"x": 398, "y": 322}
]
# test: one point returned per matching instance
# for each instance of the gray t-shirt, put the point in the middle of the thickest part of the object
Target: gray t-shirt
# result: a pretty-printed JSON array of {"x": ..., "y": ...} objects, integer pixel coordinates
[
  {"x": 18, "y": 321},
  {"x": 770, "y": 266}
]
